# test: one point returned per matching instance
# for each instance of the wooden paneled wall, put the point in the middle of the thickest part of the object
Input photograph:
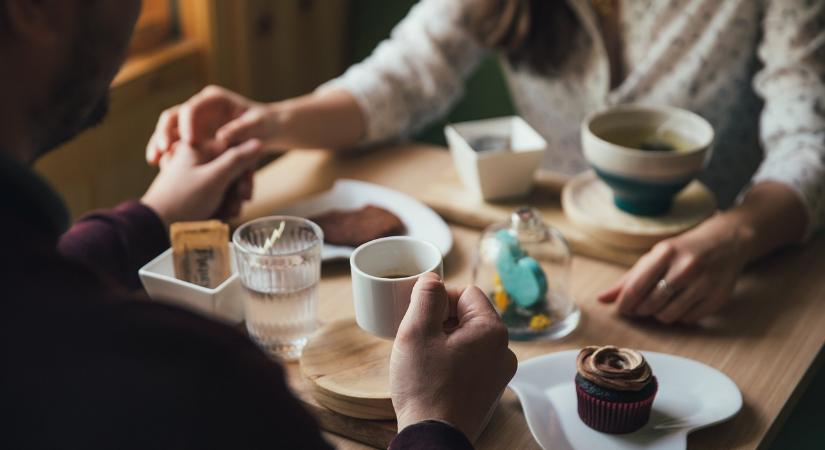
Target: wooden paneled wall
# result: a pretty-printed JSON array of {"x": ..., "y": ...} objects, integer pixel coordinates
[
  {"x": 265, "y": 49},
  {"x": 270, "y": 49},
  {"x": 294, "y": 45}
]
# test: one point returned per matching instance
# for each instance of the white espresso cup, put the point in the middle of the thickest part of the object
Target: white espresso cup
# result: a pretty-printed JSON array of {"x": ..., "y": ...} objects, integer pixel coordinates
[{"x": 384, "y": 272}]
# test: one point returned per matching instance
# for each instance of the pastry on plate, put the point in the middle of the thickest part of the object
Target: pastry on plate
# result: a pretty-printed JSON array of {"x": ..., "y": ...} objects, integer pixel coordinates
[
  {"x": 355, "y": 227},
  {"x": 615, "y": 388}
]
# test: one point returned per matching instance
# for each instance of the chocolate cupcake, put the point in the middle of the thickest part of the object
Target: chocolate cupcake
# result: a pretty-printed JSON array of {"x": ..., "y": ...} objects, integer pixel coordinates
[{"x": 615, "y": 388}]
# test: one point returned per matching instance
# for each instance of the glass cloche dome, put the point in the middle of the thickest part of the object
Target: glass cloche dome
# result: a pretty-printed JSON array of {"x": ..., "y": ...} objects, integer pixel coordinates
[{"x": 523, "y": 265}]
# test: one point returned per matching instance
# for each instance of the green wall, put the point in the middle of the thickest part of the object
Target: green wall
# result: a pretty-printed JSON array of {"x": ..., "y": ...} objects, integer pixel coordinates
[{"x": 486, "y": 95}]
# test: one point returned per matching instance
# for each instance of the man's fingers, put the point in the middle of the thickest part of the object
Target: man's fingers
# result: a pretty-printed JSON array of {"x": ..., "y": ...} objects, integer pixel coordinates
[
  {"x": 454, "y": 294},
  {"x": 474, "y": 303},
  {"x": 168, "y": 128},
  {"x": 246, "y": 127},
  {"x": 153, "y": 153},
  {"x": 165, "y": 158},
  {"x": 245, "y": 185},
  {"x": 429, "y": 305},
  {"x": 233, "y": 162},
  {"x": 643, "y": 276},
  {"x": 477, "y": 318},
  {"x": 165, "y": 134},
  {"x": 228, "y": 209}
]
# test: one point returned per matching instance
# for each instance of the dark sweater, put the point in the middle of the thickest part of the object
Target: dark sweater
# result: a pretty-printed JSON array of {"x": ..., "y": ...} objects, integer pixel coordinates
[{"x": 86, "y": 364}]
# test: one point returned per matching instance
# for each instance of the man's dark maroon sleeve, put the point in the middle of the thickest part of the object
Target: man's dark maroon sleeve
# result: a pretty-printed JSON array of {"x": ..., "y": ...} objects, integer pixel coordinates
[
  {"x": 117, "y": 242},
  {"x": 430, "y": 435}
]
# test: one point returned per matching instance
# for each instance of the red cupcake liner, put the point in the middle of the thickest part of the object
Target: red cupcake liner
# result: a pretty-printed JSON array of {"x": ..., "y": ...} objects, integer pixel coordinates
[{"x": 614, "y": 417}]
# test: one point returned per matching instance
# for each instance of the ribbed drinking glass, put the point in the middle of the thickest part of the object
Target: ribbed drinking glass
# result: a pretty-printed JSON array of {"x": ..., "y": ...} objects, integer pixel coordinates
[{"x": 279, "y": 264}]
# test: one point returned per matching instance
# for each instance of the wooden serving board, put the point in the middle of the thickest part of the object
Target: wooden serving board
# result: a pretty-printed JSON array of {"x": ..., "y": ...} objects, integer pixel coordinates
[
  {"x": 348, "y": 371},
  {"x": 345, "y": 383},
  {"x": 588, "y": 203},
  {"x": 373, "y": 433}
]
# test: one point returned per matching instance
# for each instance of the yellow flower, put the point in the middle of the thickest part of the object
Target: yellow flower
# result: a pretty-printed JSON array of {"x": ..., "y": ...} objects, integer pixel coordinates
[
  {"x": 501, "y": 299},
  {"x": 539, "y": 322}
]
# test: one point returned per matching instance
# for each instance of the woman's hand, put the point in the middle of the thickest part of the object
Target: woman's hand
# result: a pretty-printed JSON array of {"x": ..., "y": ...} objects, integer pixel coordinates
[
  {"x": 212, "y": 121},
  {"x": 688, "y": 277},
  {"x": 691, "y": 276},
  {"x": 216, "y": 119}
]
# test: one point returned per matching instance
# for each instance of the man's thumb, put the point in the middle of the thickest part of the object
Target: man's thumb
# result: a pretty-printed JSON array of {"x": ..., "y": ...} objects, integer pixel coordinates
[
  {"x": 429, "y": 305},
  {"x": 240, "y": 129},
  {"x": 232, "y": 163}
]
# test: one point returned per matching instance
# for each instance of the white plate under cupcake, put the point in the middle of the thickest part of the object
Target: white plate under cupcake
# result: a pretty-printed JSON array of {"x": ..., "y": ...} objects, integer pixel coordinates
[{"x": 691, "y": 396}]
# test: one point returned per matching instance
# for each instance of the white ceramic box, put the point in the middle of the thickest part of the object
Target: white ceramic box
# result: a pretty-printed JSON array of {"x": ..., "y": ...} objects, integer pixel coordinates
[
  {"x": 496, "y": 174},
  {"x": 224, "y": 302}
]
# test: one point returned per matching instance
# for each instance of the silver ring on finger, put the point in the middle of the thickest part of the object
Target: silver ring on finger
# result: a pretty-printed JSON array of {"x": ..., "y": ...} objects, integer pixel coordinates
[{"x": 663, "y": 287}]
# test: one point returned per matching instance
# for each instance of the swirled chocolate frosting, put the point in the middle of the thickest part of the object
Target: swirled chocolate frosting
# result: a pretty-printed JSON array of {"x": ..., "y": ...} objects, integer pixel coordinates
[{"x": 616, "y": 368}]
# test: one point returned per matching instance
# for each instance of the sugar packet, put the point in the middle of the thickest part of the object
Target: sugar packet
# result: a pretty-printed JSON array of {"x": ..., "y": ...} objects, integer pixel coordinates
[{"x": 201, "y": 252}]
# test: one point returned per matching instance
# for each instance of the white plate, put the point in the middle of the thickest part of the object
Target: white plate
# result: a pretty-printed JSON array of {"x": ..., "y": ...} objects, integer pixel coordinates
[
  {"x": 691, "y": 396},
  {"x": 420, "y": 221}
]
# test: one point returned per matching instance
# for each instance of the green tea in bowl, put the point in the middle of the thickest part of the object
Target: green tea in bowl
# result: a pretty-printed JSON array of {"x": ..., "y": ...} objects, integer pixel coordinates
[
  {"x": 650, "y": 139},
  {"x": 646, "y": 154}
]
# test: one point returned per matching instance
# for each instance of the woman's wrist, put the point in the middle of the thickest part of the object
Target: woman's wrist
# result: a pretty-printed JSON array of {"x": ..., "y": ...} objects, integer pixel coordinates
[
  {"x": 771, "y": 216},
  {"x": 743, "y": 233},
  {"x": 329, "y": 119},
  {"x": 279, "y": 126}
]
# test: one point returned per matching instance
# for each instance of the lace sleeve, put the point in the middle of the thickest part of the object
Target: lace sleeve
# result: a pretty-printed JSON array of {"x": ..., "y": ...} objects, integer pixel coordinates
[
  {"x": 413, "y": 77},
  {"x": 792, "y": 84}
]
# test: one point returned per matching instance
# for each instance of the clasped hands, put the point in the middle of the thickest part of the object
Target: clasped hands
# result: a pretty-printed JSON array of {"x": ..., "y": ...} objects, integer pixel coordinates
[{"x": 207, "y": 154}]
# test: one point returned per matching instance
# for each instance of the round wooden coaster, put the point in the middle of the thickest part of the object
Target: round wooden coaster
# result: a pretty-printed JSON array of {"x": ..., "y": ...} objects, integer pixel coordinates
[
  {"x": 348, "y": 370},
  {"x": 588, "y": 203}
]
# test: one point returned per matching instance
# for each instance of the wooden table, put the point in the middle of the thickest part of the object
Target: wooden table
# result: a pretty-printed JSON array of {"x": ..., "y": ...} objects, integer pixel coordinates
[{"x": 769, "y": 340}]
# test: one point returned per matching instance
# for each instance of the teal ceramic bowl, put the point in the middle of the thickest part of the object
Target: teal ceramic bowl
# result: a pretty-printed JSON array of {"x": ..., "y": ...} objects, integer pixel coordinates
[{"x": 644, "y": 182}]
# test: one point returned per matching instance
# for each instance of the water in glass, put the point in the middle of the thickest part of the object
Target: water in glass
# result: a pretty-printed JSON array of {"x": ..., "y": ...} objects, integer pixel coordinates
[{"x": 281, "y": 279}]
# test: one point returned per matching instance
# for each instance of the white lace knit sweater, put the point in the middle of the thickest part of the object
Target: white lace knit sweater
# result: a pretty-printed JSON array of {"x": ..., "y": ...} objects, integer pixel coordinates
[{"x": 754, "y": 68}]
